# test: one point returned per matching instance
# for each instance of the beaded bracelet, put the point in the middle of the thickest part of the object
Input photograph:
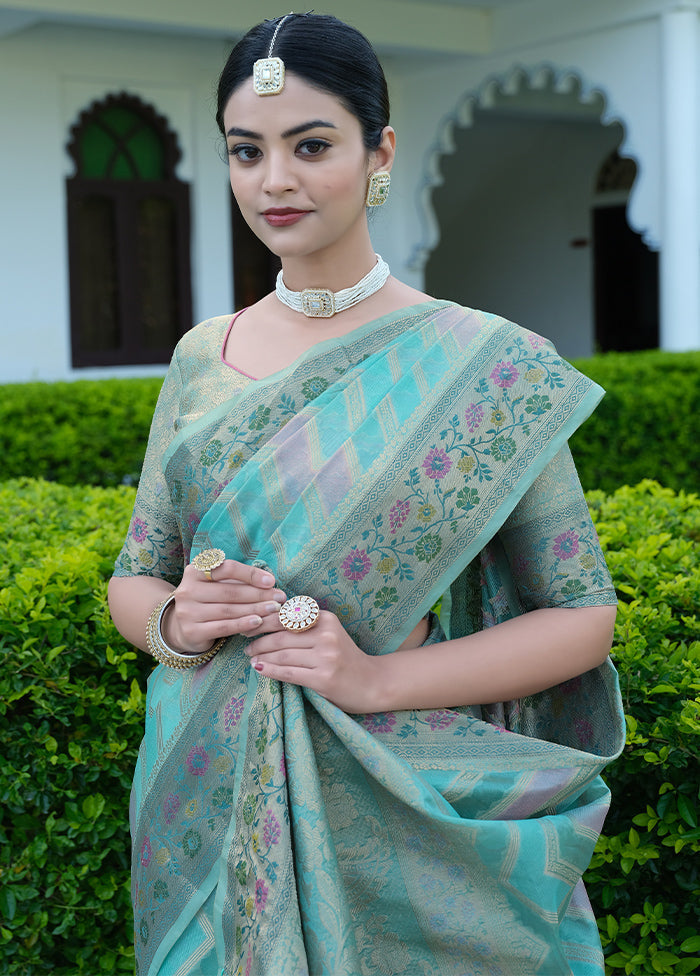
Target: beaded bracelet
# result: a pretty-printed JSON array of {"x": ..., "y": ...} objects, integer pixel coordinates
[{"x": 166, "y": 655}]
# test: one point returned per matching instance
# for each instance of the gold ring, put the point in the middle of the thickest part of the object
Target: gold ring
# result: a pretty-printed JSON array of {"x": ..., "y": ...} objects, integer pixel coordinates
[
  {"x": 208, "y": 559},
  {"x": 299, "y": 613}
]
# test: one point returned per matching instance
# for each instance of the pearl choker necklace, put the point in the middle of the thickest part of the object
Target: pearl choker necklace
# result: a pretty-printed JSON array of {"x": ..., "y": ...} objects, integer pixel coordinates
[{"x": 320, "y": 303}]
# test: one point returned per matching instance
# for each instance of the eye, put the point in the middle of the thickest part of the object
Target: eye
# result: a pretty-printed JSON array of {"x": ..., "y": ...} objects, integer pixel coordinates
[
  {"x": 312, "y": 147},
  {"x": 244, "y": 152}
]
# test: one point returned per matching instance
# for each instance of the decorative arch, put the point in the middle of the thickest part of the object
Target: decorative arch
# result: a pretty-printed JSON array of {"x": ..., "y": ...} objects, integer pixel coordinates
[
  {"x": 516, "y": 80},
  {"x": 128, "y": 235}
]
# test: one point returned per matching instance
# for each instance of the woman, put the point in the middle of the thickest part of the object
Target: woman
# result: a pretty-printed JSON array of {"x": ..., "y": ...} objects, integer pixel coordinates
[{"x": 307, "y": 801}]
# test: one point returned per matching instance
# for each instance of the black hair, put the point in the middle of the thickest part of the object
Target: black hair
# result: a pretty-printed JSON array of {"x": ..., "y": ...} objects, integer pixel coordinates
[{"x": 326, "y": 53}]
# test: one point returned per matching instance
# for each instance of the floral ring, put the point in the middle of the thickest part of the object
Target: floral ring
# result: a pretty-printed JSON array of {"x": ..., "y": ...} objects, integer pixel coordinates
[
  {"x": 208, "y": 559},
  {"x": 299, "y": 613}
]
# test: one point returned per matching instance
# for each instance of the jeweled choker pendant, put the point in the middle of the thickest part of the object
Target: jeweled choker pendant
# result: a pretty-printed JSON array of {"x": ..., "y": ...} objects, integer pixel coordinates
[{"x": 321, "y": 303}]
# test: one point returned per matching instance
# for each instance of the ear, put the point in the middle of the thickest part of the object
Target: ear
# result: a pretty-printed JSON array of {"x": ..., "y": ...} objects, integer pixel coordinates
[{"x": 382, "y": 158}]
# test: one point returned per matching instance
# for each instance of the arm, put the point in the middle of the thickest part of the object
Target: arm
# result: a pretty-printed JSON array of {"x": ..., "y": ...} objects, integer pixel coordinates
[{"x": 516, "y": 658}]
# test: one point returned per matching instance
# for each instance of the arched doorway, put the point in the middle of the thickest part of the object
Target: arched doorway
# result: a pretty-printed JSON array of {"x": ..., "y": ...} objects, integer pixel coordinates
[
  {"x": 626, "y": 271},
  {"x": 128, "y": 236},
  {"x": 515, "y": 207}
]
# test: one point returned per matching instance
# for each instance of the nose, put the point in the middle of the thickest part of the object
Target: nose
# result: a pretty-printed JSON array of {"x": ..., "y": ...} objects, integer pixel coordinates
[{"x": 279, "y": 174}]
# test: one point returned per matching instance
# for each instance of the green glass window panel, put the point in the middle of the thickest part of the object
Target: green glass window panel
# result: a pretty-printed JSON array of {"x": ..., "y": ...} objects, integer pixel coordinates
[{"x": 120, "y": 145}]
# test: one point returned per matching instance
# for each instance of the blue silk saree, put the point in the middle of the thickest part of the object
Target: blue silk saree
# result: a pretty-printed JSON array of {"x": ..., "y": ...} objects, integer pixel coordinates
[{"x": 420, "y": 461}]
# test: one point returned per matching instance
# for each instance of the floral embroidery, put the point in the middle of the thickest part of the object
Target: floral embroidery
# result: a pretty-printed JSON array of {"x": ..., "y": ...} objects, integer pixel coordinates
[
  {"x": 233, "y": 712},
  {"x": 503, "y": 449},
  {"x": 474, "y": 416},
  {"x": 171, "y": 805},
  {"x": 222, "y": 796},
  {"x": 356, "y": 565},
  {"x": 197, "y": 761},
  {"x": 271, "y": 829},
  {"x": 386, "y": 597},
  {"x": 504, "y": 374},
  {"x": 260, "y": 894},
  {"x": 440, "y": 719},
  {"x": 192, "y": 842},
  {"x": 566, "y": 545},
  {"x": 466, "y": 464},
  {"x": 211, "y": 453},
  {"x": 538, "y": 404},
  {"x": 398, "y": 514},
  {"x": 379, "y": 722},
  {"x": 467, "y": 499},
  {"x": 160, "y": 891},
  {"x": 428, "y": 547},
  {"x": 146, "y": 852},
  {"x": 386, "y": 565},
  {"x": 139, "y": 530},
  {"x": 426, "y": 513},
  {"x": 498, "y": 417},
  {"x": 314, "y": 387},
  {"x": 260, "y": 418},
  {"x": 236, "y": 459},
  {"x": 436, "y": 464}
]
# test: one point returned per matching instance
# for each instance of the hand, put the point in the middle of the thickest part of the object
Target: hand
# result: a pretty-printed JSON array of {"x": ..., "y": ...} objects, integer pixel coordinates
[
  {"x": 239, "y": 599},
  {"x": 324, "y": 658}
]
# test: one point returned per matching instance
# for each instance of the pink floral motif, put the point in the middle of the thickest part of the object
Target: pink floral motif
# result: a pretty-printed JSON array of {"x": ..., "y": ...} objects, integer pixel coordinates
[
  {"x": 146, "y": 852},
  {"x": 504, "y": 374},
  {"x": 379, "y": 722},
  {"x": 171, "y": 804},
  {"x": 356, "y": 565},
  {"x": 233, "y": 712},
  {"x": 219, "y": 488},
  {"x": 260, "y": 894},
  {"x": 536, "y": 340},
  {"x": 566, "y": 545},
  {"x": 139, "y": 530},
  {"x": 437, "y": 463},
  {"x": 193, "y": 522},
  {"x": 398, "y": 514},
  {"x": 440, "y": 719},
  {"x": 197, "y": 761},
  {"x": 283, "y": 766},
  {"x": 474, "y": 416},
  {"x": 271, "y": 829}
]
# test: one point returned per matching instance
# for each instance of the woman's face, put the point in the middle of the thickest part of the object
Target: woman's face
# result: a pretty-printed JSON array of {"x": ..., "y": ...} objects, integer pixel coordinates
[{"x": 298, "y": 167}]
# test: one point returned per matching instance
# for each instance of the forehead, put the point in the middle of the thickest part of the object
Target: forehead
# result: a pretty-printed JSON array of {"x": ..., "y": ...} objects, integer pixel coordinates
[{"x": 297, "y": 103}]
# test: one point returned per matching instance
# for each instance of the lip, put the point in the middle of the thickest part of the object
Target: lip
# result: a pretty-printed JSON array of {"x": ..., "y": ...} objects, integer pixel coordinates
[{"x": 283, "y": 216}]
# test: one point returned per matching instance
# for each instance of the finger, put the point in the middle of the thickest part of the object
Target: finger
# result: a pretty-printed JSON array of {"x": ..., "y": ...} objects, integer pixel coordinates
[
  {"x": 234, "y": 571},
  {"x": 235, "y": 593}
]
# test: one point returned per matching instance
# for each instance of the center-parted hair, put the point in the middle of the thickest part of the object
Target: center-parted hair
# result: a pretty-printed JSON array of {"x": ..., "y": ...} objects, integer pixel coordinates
[{"x": 326, "y": 53}]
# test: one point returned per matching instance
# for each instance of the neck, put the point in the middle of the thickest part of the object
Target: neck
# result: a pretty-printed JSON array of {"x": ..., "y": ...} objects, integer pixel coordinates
[{"x": 332, "y": 268}]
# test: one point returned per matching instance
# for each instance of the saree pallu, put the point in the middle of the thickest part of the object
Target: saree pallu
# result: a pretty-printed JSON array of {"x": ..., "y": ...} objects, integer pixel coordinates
[{"x": 275, "y": 835}]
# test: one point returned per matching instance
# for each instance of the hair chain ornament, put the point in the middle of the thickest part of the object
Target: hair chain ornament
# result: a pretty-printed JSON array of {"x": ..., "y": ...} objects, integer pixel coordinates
[
  {"x": 268, "y": 73},
  {"x": 320, "y": 303}
]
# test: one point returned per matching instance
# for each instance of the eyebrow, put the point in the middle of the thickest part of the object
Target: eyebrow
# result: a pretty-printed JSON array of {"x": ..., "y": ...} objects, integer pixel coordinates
[{"x": 296, "y": 131}]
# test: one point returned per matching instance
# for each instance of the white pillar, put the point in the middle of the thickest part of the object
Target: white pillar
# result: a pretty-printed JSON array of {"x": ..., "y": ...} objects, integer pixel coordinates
[{"x": 680, "y": 244}]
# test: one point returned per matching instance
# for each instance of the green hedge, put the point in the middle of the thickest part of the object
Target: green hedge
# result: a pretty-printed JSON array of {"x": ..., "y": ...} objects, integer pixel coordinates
[
  {"x": 94, "y": 432},
  {"x": 71, "y": 715},
  {"x": 645, "y": 426},
  {"x": 91, "y": 432}
]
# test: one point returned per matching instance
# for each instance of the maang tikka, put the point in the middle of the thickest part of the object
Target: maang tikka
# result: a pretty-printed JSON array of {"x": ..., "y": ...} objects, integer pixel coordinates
[{"x": 268, "y": 73}]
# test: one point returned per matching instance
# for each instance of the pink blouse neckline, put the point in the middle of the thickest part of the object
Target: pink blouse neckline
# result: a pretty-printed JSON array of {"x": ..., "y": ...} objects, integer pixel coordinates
[{"x": 223, "y": 348}]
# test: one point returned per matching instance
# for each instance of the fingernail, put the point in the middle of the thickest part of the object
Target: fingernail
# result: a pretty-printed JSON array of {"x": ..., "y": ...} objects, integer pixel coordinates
[
  {"x": 255, "y": 621},
  {"x": 258, "y": 665},
  {"x": 268, "y": 580},
  {"x": 272, "y": 607}
]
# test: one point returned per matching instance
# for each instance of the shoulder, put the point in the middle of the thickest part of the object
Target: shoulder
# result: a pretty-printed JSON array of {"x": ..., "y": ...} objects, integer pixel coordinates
[{"x": 205, "y": 339}]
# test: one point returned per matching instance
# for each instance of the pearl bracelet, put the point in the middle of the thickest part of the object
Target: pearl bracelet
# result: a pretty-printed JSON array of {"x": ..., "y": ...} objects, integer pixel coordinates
[{"x": 165, "y": 654}]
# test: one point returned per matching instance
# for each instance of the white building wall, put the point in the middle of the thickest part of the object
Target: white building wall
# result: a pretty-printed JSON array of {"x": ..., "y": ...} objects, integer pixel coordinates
[{"x": 52, "y": 74}]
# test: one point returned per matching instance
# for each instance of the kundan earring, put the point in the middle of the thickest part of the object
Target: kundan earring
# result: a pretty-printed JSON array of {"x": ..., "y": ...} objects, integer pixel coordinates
[{"x": 378, "y": 189}]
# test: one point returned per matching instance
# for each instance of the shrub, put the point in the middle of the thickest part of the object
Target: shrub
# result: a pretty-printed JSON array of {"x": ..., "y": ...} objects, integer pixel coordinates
[
  {"x": 70, "y": 721},
  {"x": 71, "y": 715},
  {"x": 644, "y": 880},
  {"x": 645, "y": 425},
  {"x": 90, "y": 432}
]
